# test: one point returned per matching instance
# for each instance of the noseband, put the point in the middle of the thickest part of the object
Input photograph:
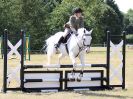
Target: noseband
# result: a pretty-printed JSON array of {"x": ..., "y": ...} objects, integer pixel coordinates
[{"x": 84, "y": 40}]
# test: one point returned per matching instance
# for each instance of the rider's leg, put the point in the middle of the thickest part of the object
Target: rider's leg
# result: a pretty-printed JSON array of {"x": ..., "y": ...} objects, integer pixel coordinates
[
  {"x": 59, "y": 42},
  {"x": 62, "y": 38},
  {"x": 74, "y": 30},
  {"x": 66, "y": 31}
]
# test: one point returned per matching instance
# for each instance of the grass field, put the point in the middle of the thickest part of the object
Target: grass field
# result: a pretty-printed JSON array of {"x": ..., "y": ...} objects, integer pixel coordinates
[{"x": 97, "y": 55}]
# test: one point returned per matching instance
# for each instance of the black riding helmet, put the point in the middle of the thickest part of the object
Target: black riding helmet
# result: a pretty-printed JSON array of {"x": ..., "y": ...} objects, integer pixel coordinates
[{"x": 77, "y": 10}]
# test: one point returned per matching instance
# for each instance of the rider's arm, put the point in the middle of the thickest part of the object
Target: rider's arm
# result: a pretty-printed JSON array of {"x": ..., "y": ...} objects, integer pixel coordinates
[
  {"x": 81, "y": 22},
  {"x": 72, "y": 21}
]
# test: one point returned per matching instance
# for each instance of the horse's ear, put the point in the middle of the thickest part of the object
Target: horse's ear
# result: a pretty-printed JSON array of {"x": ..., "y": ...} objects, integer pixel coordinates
[{"x": 91, "y": 31}]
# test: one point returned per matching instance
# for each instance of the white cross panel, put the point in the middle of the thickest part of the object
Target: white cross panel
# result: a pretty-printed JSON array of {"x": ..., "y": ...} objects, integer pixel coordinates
[
  {"x": 116, "y": 72},
  {"x": 14, "y": 49},
  {"x": 13, "y": 74},
  {"x": 115, "y": 50}
]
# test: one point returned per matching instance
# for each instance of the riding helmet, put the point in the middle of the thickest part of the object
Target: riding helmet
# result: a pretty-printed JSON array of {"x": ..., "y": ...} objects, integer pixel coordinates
[{"x": 77, "y": 10}]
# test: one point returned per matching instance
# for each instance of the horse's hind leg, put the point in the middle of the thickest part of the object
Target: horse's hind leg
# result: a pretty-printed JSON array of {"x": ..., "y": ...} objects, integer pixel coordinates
[
  {"x": 49, "y": 56},
  {"x": 59, "y": 57},
  {"x": 50, "y": 51},
  {"x": 48, "y": 59}
]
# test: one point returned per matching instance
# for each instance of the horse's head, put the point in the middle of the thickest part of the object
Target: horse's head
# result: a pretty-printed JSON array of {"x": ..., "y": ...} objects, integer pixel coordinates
[{"x": 86, "y": 38}]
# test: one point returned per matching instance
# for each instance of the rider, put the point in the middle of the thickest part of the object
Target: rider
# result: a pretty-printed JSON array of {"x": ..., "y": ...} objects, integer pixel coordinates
[{"x": 76, "y": 21}]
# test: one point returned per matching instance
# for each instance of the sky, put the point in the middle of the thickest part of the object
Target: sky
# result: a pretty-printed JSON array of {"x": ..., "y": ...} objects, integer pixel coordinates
[{"x": 124, "y": 5}]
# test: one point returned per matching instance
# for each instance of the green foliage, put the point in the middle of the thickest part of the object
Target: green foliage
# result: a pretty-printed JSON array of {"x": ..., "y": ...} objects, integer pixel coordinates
[
  {"x": 128, "y": 21},
  {"x": 9, "y": 15},
  {"x": 42, "y": 18},
  {"x": 114, "y": 6},
  {"x": 98, "y": 15},
  {"x": 129, "y": 39},
  {"x": 33, "y": 15}
]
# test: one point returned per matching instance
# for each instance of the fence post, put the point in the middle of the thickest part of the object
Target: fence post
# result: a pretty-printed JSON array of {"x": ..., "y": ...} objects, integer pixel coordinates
[
  {"x": 22, "y": 61},
  {"x": 5, "y": 61},
  {"x": 108, "y": 59},
  {"x": 124, "y": 54}
]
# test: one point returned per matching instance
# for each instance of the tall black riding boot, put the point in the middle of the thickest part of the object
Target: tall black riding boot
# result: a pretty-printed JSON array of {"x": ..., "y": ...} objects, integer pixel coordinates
[{"x": 59, "y": 42}]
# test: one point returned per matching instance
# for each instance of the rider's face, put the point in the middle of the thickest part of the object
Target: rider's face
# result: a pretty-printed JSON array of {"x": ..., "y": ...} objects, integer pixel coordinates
[{"x": 78, "y": 14}]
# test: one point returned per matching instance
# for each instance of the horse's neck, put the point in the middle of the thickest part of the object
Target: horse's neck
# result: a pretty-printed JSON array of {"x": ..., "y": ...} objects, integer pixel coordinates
[{"x": 75, "y": 40}]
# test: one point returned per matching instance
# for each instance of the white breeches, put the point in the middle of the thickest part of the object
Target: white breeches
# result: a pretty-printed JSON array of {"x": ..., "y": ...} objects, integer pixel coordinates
[{"x": 67, "y": 31}]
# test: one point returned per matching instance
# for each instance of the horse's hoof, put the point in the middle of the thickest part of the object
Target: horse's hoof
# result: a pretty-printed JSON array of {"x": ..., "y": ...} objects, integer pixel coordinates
[
  {"x": 72, "y": 79},
  {"x": 47, "y": 69},
  {"x": 78, "y": 79}
]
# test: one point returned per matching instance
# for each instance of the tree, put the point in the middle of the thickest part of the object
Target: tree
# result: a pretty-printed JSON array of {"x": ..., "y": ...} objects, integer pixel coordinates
[
  {"x": 9, "y": 15},
  {"x": 33, "y": 17},
  {"x": 42, "y": 18},
  {"x": 29, "y": 15},
  {"x": 120, "y": 23},
  {"x": 98, "y": 15},
  {"x": 128, "y": 21}
]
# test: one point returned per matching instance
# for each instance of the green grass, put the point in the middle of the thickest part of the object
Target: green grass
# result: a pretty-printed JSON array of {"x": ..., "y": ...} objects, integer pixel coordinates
[{"x": 95, "y": 56}]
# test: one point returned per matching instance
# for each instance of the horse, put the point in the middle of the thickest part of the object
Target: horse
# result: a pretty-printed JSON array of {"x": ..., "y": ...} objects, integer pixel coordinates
[{"x": 76, "y": 46}]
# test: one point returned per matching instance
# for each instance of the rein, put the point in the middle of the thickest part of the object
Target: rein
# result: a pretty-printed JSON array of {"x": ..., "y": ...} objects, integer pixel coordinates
[
  {"x": 82, "y": 47},
  {"x": 79, "y": 47}
]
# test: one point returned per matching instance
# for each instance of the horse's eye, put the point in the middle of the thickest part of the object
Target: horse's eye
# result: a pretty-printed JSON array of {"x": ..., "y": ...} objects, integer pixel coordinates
[{"x": 76, "y": 34}]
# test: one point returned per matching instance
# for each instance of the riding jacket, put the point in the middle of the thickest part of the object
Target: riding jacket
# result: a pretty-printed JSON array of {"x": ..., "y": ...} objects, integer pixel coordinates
[{"x": 75, "y": 23}]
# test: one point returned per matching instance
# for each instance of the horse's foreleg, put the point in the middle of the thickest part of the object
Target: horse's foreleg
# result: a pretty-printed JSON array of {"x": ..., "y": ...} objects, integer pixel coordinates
[
  {"x": 74, "y": 66},
  {"x": 81, "y": 57},
  {"x": 82, "y": 60}
]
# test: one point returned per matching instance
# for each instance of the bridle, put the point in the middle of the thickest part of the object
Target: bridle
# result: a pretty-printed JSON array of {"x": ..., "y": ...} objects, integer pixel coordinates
[
  {"x": 84, "y": 45},
  {"x": 84, "y": 40}
]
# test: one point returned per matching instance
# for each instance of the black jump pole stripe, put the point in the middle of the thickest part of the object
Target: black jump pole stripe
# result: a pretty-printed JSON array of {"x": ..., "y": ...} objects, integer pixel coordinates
[
  {"x": 5, "y": 61},
  {"x": 33, "y": 66},
  {"x": 22, "y": 61},
  {"x": 33, "y": 80}
]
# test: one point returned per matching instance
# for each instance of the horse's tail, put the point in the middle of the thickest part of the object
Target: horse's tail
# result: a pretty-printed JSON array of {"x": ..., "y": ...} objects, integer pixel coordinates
[
  {"x": 44, "y": 49},
  {"x": 49, "y": 47}
]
